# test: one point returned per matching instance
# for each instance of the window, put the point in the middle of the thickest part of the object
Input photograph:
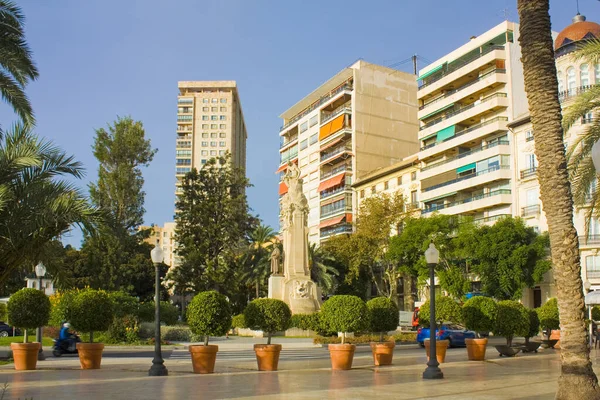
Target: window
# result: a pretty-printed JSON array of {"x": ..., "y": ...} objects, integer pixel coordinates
[
  {"x": 213, "y": 152},
  {"x": 303, "y": 144},
  {"x": 529, "y": 136},
  {"x": 386, "y": 185},
  {"x": 592, "y": 266},
  {"x": 303, "y": 162},
  {"x": 213, "y": 144},
  {"x": 313, "y": 139},
  {"x": 532, "y": 196},
  {"x": 399, "y": 181},
  {"x": 205, "y": 135},
  {"x": 213, "y": 126},
  {"x": 183, "y": 170},
  {"x": 205, "y": 118},
  {"x": 213, "y": 135},
  {"x": 584, "y": 75},
  {"x": 215, "y": 100},
  {"x": 222, "y": 135},
  {"x": 204, "y": 152},
  {"x": 314, "y": 175},
  {"x": 223, "y": 109},
  {"x": 413, "y": 197},
  {"x": 213, "y": 118},
  {"x": 203, "y": 161},
  {"x": 205, "y": 100},
  {"x": 183, "y": 153},
  {"x": 183, "y": 161},
  {"x": 204, "y": 126},
  {"x": 373, "y": 190},
  {"x": 204, "y": 144},
  {"x": 559, "y": 78},
  {"x": 223, "y": 126},
  {"x": 214, "y": 109},
  {"x": 362, "y": 194},
  {"x": 222, "y": 152},
  {"x": 530, "y": 161},
  {"x": 597, "y": 73},
  {"x": 571, "y": 83},
  {"x": 222, "y": 144},
  {"x": 223, "y": 117},
  {"x": 313, "y": 120},
  {"x": 413, "y": 176},
  {"x": 223, "y": 100},
  {"x": 594, "y": 227},
  {"x": 303, "y": 126},
  {"x": 204, "y": 109}
]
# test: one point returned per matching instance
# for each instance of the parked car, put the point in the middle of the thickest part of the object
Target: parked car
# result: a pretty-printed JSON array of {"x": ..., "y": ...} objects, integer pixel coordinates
[
  {"x": 7, "y": 330},
  {"x": 454, "y": 333}
]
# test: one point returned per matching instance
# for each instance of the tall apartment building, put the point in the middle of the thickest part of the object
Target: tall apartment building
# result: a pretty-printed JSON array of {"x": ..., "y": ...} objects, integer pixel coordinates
[
  {"x": 210, "y": 123},
  {"x": 363, "y": 118},
  {"x": 163, "y": 237},
  {"x": 466, "y": 99}
]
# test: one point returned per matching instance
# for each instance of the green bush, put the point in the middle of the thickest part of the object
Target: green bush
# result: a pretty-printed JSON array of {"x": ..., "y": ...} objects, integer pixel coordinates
[
  {"x": 209, "y": 314},
  {"x": 596, "y": 313},
  {"x": 344, "y": 313},
  {"x": 124, "y": 304},
  {"x": 383, "y": 315},
  {"x": 239, "y": 322},
  {"x": 534, "y": 323},
  {"x": 176, "y": 333},
  {"x": 479, "y": 314},
  {"x": 306, "y": 322},
  {"x": 3, "y": 312},
  {"x": 512, "y": 320},
  {"x": 91, "y": 310},
  {"x": 268, "y": 315},
  {"x": 548, "y": 315},
  {"x": 28, "y": 309},
  {"x": 61, "y": 304},
  {"x": 446, "y": 310},
  {"x": 169, "y": 313}
]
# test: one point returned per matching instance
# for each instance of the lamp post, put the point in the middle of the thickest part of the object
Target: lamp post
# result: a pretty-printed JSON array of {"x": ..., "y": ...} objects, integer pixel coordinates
[
  {"x": 433, "y": 371},
  {"x": 40, "y": 271},
  {"x": 158, "y": 368},
  {"x": 588, "y": 286}
]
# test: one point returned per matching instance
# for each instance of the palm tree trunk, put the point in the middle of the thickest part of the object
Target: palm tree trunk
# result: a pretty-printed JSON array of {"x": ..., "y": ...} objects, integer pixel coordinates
[
  {"x": 257, "y": 289},
  {"x": 577, "y": 380}
]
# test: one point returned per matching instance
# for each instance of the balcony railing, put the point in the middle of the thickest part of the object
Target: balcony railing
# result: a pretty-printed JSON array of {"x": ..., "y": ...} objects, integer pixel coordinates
[
  {"x": 466, "y": 85},
  {"x": 591, "y": 239},
  {"x": 471, "y": 129},
  {"x": 529, "y": 138},
  {"x": 343, "y": 108},
  {"x": 594, "y": 274},
  {"x": 343, "y": 208},
  {"x": 565, "y": 94},
  {"x": 526, "y": 173},
  {"x": 458, "y": 66},
  {"x": 340, "y": 189},
  {"x": 490, "y": 219},
  {"x": 289, "y": 142},
  {"x": 530, "y": 211},
  {"x": 345, "y": 228},
  {"x": 587, "y": 120},
  {"x": 466, "y": 154},
  {"x": 453, "y": 113},
  {"x": 336, "y": 171},
  {"x": 465, "y": 201},
  {"x": 335, "y": 152},
  {"x": 464, "y": 178},
  {"x": 316, "y": 104},
  {"x": 185, "y": 101}
]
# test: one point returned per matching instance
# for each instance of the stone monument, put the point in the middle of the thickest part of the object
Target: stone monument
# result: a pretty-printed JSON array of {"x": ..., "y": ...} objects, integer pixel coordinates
[{"x": 295, "y": 286}]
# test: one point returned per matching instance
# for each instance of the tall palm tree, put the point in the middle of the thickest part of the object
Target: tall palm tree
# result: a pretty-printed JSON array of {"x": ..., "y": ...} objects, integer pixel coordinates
[
  {"x": 256, "y": 259},
  {"x": 322, "y": 268},
  {"x": 17, "y": 66},
  {"x": 35, "y": 205},
  {"x": 577, "y": 379}
]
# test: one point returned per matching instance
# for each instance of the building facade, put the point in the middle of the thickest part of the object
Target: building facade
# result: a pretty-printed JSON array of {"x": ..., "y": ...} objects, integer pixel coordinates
[
  {"x": 363, "y": 118},
  {"x": 163, "y": 237}
]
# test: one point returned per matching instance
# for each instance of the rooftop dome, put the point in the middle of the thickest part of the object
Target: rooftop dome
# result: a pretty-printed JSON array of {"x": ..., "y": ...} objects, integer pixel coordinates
[{"x": 580, "y": 29}]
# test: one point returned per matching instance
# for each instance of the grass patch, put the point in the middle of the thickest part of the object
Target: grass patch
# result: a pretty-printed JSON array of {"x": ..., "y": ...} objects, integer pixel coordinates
[
  {"x": 6, "y": 362},
  {"x": 6, "y": 341}
]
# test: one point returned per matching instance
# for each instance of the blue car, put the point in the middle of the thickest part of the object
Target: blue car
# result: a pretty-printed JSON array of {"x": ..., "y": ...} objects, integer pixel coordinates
[{"x": 456, "y": 334}]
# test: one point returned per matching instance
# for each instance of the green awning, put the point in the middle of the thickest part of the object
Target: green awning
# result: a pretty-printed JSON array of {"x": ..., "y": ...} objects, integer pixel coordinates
[
  {"x": 426, "y": 74},
  {"x": 446, "y": 133},
  {"x": 439, "y": 197},
  {"x": 437, "y": 111},
  {"x": 466, "y": 168},
  {"x": 430, "y": 136}
]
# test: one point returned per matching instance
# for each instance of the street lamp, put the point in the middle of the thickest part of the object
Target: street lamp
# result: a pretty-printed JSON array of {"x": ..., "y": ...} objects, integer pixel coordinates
[
  {"x": 40, "y": 271},
  {"x": 433, "y": 371},
  {"x": 158, "y": 368}
]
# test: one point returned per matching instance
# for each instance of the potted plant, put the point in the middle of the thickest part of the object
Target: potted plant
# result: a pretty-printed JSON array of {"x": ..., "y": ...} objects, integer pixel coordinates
[
  {"x": 27, "y": 309},
  {"x": 344, "y": 313},
  {"x": 479, "y": 315},
  {"x": 548, "y": 315},
  {"x": 208, "y": 314},
  {"x": 446, "y": 310},
  {"x": 91, "y": 310},
  {"x": 269, "y": 316},
  {"x": 512, "y": 320},
  {"x": 534, "y": 330},
  {"x": 383, "y": 317}
]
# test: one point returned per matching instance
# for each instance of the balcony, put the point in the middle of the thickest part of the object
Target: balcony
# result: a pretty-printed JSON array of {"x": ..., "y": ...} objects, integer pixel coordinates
[
  {"x": 453, "y": 113},
  {"x": 345, "y": 228},
  {"x": 344, "y": 208},
  {"x": 528, "y": 173},
  {"x": 466, "y": 177},
  {"x": 566, "y": 94},
  {"x": 343, "y": 108},
  {"x": 336, "y": 170},
  {"x": 330, "y": 193},
  {"x": 465, "y": 201},
  {"x": 530, "y": 211},
  {"x": 288, "y": 143},
  {"x": 493, "y": 218},
  {"x": 338, "y": 150},
  {"x": 185, "y": 101},
  {"x": 593, "y": 274},
  {"x": 465, "y": 154},
  {"x": 590, "y": 239}
]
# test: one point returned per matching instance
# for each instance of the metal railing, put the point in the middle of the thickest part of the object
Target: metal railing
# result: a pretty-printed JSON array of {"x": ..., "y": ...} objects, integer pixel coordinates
[
  {"x": 343, "y": 208},
  {"x": 345, "y": 228},
  {"x": 316, "y": 104},
  {"x": 466, "y": 154},
  {"x": 471, "y": 129},
  {"x": 587, "y": 120},
  {"x": 453, "y": 113},
  {"x": 529, "y": 211},
  {"x": 335, "y": 152},
  {"x": 565, "y": 94},
  {"x": 490, "y": 219},
  {"x": 185, "y": 101},
  {"x": 466, "y": 85},
  {"x": 340, "y": 189},
  {"x": 433, "y": 208},
  {"x": 464, "y": 178},
  {"x": 526, "y": 173},
  {"x": 529, "y": 138},
  {"x": 457, "y": 66},
  {"x": 343, "y": 108},
  {"x": 336, "y": 171},
  {"x": 289, "y": 142}
]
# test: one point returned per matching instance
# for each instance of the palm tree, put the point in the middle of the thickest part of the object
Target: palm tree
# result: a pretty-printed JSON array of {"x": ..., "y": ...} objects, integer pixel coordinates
[
  {"x": 577, "y": 379},
  {"x": 256, "y": 260},
  {"x": 16, "y": 61},
  {"x": 35, "y": 205},
  {"x": 322, "y": 268}
]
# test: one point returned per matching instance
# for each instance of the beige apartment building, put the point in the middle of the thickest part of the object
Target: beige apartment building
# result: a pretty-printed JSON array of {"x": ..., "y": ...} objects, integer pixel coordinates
[
  {"x": 164, "y": 237},
  {"x": 363, "y": 118},
  {"x": 210, "y": 123}
]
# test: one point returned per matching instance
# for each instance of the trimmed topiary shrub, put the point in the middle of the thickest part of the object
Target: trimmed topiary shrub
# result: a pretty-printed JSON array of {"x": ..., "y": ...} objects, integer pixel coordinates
[
  {"x": 548, "y": 315},
  {"x": 512, "y": 320},
  {"x": 91, "y": 311},
  {"x": 169, "y": 313},
  {"x": 345, "y": 313},
  {"x": 209, "y": 314},
  {"x": 238, "y": 322},
  {"x": 28, "y": 309},
  {"x": 596, "y": 313},
  {"x": 534, "y": 324},
  {"x": 383, "y": 315},
  {"x": 268, "y": 315},
  {"x": 479, "y": 314},
  {"x": 446, "y": 310}
]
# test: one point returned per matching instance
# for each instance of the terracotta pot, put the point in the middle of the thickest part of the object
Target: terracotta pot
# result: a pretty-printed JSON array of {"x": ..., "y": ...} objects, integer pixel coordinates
[
  {"x": 25, "y": 355},
  {"x": 203, "y": 358},
  {"x": 90, "y": 355},
  {"x": 440, "y": 349},
  {"x": 383, "y": 352},
  {"x": 341, "y": 356},
  {"x": 476, "y": 349},
  {"x": 267, "y": 356},
  {"x": 555, "y": 335}
]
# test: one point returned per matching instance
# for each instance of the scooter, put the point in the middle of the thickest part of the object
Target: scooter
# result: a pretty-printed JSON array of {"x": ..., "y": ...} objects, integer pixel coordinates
[{"x": 65, "y": 346}]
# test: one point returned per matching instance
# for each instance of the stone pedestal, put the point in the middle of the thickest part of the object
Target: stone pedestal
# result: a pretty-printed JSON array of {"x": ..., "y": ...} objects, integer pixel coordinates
[
  {"x": 276, "y": 287},
  {"x": 302, "y": 295}
]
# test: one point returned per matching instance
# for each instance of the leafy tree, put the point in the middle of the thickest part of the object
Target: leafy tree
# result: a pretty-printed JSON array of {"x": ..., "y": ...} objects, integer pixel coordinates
[
  {"x": 17, "y": 64},
  {"x": 512, "y": 320},
  {"x": 343, "y": 313},
  {"x": 29, "y": 309},
  {"x": 446, "y": 310},
  {"x": 479, "y": 314},
  {"x": 384, "y": 315},
  {"x": 323, "y": 268},
  {"x": 213, "y": 221},
  {"x": 268, "y": 315},
  {"x": 549, "y": 316}
]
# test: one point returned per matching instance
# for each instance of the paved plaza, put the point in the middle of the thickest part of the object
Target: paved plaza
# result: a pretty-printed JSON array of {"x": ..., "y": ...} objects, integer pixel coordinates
[{"x": 304, "y": 374}]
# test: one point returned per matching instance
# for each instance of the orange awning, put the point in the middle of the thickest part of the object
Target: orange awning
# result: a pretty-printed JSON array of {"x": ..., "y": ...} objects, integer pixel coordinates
[
  {"x": 332, "y": 127},
  {"x": 331, "y": 182},
  {"x": 282, "y": 188},
  {"x": 332, "y": 143},
  {"x": 348, "y": 218},
  {"x": 331, "y": 222}
]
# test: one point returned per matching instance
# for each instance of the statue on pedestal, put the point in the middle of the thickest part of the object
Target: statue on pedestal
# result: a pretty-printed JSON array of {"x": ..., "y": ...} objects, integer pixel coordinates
[{"x": 275, "y": 255}]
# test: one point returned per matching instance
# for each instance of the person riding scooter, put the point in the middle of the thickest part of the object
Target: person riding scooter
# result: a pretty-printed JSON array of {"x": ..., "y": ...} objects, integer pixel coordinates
[{"x": 66, "y": 342}]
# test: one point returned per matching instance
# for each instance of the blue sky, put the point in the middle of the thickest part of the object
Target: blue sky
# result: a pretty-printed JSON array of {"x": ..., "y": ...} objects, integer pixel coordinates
[{"x": 100, "y": 59}]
